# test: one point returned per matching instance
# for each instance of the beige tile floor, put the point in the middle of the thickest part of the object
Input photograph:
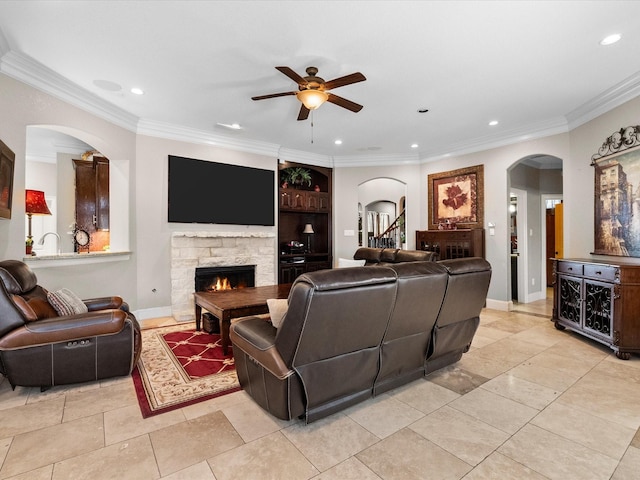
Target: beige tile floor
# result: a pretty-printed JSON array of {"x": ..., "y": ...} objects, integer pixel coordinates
[{"x": 527, "y": 402}]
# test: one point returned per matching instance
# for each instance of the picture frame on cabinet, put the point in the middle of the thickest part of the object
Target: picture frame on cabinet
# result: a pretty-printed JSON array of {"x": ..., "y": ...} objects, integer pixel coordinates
[
  {"x": 616, "y": 181},
  {"x": 7, "y": 161},
  {"x": 456, "y": 197}
]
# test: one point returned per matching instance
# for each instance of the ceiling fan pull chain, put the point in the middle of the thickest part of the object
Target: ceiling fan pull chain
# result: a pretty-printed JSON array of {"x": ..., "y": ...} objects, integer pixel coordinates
[{"x": 311, "y": 126}]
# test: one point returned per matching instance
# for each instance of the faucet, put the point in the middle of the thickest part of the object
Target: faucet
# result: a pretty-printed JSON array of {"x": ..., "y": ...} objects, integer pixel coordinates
[{"x": 41, "y": 241}]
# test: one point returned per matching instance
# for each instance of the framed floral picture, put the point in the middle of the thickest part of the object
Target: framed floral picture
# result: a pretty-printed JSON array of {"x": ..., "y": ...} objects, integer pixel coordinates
[
  {"x": 7, "y": 159},
  {"x": 456, "y": 198}
]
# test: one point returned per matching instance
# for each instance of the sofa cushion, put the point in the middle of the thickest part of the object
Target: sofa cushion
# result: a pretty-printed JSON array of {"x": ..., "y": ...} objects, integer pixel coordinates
[
  {"x": 369, "y": 255},
  {"x": 388, "y": 255},
  {"x": 347, "y": 262},
  {"x": 66, "y": 302},
  {"x": 277, "y": 310}
]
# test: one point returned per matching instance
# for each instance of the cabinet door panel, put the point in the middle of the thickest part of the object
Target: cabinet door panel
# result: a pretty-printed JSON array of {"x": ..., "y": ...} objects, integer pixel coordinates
[
  {"x": 570, "y": 301},
  {"x": 598, "y": 307}
]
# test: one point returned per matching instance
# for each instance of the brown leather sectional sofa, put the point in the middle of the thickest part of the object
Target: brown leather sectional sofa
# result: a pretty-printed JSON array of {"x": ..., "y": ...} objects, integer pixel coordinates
[{"x": 353, "y": 333}]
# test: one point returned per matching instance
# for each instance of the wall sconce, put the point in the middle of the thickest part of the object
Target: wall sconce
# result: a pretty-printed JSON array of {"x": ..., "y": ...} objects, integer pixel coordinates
[
  {"x": 308, "y": 231},
  {"x": 35, "y": 204}
]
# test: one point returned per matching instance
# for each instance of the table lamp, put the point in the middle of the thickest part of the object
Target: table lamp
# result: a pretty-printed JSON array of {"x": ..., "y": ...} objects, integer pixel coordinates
[
  {"x": 308, "y": 230},
  {"x": 35, "y": 204}
]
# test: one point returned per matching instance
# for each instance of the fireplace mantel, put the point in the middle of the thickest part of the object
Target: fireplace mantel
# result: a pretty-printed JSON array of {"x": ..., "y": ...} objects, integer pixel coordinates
[{"x": 212, "y": 249}]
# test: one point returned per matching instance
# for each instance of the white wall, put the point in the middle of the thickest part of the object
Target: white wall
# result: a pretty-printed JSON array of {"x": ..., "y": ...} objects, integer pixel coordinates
[
  {"x": 143, "y": 161},
  {"x": 496, "y": 201},
  {"x": 23, "y": 106},
  {"x": 579, "y": 176},
  {"x": 345, "y": 202},
  {"x": 153, "y": 240}
]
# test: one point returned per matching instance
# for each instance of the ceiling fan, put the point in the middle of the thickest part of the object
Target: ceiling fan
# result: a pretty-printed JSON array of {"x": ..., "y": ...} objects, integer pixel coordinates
[{"x": 312, "y": 90}]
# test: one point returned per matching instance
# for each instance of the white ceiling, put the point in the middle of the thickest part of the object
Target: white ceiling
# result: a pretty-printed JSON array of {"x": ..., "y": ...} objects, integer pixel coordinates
[{"x": 536, "y": 67}]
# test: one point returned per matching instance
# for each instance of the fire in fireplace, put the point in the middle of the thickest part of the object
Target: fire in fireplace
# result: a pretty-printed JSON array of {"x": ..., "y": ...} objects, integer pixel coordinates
[{"x": 213, "y": 279}]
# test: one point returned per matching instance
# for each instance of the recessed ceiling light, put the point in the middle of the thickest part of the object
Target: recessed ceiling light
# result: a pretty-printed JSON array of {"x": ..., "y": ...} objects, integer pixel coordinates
[
  {"x": 338, "y": 142},
  {"x": 414, "y": 145},
  {"x": 610, "y": 39},
  {"x": 137, "y": 91},
  {"x": 493, "y": 123}
]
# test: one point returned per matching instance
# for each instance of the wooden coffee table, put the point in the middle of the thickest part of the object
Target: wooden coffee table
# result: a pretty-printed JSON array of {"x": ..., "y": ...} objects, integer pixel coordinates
[{"x": 228, "y": 304}]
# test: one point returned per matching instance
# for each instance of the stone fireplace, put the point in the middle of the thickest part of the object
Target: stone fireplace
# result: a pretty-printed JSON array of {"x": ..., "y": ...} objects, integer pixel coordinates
[{"x": 190, "y": 250}]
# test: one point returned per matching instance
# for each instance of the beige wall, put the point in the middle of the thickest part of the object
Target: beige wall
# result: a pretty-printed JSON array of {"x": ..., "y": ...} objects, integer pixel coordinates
[
  {"x": 149, "y": 232},
  {"x": 23, "y": 106},
  {"x": 153, "y": 240}
]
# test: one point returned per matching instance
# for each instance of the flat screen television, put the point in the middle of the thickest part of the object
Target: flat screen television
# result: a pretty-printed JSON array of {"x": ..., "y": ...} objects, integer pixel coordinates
[{"x": 208, "y": 192}]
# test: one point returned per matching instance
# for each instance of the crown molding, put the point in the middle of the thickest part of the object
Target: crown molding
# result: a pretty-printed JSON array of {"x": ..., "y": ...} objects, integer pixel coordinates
[
  {"x": 170, "y": 131},
  {"x": 4, "y": 45},
  {"x": 528, "y": 132},
  {"x": 381, "y": 160},
  {"x": 291, "y": 155},
  {"x": 29, "y": 71},
  {"x": 624, "y": 91}
]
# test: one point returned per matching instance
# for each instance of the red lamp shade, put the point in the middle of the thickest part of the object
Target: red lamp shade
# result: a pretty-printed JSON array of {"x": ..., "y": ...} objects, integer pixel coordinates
[{"x": 35, "y": 203}]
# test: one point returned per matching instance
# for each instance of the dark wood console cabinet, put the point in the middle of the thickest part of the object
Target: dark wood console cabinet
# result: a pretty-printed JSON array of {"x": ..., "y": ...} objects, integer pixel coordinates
[
  {"x": 463, "y": 242},
  {"x": 297, "y": 208},
  {"x": 600, "y": 300}
]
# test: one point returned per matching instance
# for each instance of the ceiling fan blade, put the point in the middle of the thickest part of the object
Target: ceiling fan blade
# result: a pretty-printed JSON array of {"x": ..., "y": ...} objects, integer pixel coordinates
[
  {"x": 304, "y": 113},
  {"x": 273, "y": 95},
  {"x": 344, "y": 103},
  {"x": 292, "y": 75},
  {"x": 346, "y": 80}
]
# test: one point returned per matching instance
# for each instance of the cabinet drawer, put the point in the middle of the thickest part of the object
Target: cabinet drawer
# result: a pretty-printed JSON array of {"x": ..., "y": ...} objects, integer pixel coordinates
[
  {"x": 603, "y": 272},
  {"x": 570, "y": 267}
]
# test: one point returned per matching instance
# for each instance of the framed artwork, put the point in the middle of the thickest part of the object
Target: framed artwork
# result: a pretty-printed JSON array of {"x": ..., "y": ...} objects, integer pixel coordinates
[
  {"x": 616, "y": 182},
  {"x": 7, "y": 160},
  {"x": 456, "y": 198}
]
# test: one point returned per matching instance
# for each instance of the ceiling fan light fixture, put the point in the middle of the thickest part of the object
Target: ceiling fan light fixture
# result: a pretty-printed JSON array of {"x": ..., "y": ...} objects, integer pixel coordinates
[{"x": 312, "y": 99}]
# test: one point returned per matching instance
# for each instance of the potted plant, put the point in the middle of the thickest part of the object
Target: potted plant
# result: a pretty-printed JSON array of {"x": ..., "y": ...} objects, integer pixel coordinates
[
  {"x": 296, "y": 177},
  {"x": 28, "y": 245}
]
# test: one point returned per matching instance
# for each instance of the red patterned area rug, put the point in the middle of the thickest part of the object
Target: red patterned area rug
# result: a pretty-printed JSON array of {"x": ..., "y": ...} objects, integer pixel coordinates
[{"x": 179, "y": 366}]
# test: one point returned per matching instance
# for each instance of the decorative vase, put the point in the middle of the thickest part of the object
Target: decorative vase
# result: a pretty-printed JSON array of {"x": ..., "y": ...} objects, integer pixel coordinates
[{"x": 28, "y": 249}]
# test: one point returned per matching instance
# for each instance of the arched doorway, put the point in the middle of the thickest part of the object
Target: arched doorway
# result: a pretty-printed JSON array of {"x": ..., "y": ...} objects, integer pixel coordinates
[
  {"x": 380, "y": 202},
  {"x": 534, "y": 181}
]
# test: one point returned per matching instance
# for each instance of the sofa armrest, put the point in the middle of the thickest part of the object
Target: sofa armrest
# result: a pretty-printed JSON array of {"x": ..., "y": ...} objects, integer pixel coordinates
[
  {"x": 65, "y": 329},
  {"x": 105, "y": 303},
  {"x": 256, "y": 337}
]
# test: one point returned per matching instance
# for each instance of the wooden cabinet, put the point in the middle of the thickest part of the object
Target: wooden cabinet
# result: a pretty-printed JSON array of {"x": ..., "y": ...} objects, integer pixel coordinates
[
  {"x": 292, "y": 199},
  {"x": 92, "y": 200},
  {"x": 464, "y": 242},
  {"x": 297, "y": 208},
  {"x": 600, "y": 300}
]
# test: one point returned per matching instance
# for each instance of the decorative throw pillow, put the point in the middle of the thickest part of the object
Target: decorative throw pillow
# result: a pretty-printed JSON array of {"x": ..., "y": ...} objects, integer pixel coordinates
[
  {"x": 345, "y": 262},
  {"x": 277, "y": 310},
  {"x": 66, "y": 302}
]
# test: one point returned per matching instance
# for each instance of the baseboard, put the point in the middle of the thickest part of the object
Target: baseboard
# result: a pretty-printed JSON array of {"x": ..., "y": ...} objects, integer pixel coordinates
[
  {"x": 533, "y": 297},
  {"x": 499, "y": 305},
  {"x": 155, "y": 312}
]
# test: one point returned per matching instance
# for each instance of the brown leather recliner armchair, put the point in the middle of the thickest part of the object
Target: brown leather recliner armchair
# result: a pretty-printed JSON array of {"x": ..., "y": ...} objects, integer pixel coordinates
[{"x": 38, "y": 348}]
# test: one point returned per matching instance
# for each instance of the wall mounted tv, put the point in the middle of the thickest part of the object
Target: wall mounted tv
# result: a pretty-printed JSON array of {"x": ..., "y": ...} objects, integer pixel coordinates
[{"x": 208, "y": 192}]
